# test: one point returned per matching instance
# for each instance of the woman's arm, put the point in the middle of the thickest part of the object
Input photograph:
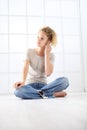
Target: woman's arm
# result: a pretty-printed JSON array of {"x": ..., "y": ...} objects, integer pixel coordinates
[
  {"x": 48, "y": 64},
  {"x": 25, "y": 70},
  {"x": 24, "y": 75}
]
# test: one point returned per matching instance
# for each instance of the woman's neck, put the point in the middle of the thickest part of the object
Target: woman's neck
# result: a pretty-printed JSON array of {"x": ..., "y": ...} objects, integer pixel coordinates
[{"x": 40, "y": 51}]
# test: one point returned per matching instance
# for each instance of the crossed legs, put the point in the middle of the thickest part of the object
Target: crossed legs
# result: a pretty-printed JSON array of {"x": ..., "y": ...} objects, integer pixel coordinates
[{"x": 53, "y": 89}]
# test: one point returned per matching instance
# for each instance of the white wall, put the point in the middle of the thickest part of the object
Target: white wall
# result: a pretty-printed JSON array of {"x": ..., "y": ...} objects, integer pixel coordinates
[
  {"x": 83, "y": 9},
  {"x": 19, "y": 24}
]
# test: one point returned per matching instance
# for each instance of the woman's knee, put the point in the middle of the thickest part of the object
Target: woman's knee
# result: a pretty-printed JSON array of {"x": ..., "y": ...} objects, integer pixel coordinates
[
  {"x": 18, "y": 93},
  {"x": 65, "y": 82}
]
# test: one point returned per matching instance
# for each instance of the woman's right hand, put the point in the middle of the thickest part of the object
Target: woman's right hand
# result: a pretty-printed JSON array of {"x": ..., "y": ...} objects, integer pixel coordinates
[{"x": 18, "y": 84}]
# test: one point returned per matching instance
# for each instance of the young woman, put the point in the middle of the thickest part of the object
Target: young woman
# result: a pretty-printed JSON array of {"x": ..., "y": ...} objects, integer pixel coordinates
[{"x": 38, "y": 65}]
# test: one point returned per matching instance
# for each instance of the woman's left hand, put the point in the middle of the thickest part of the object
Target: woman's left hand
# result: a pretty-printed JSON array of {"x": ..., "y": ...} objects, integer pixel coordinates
[{"x": 48, "y": 49}]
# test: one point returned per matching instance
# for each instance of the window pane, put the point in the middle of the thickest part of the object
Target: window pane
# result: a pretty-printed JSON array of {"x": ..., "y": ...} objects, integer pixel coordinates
[
  {"x": 3, "y": 7},
  {"x": 3, "y": 62},
  {"x": 17, "y": 43},
  {"x": 72, "y": 62},
  {"x": 71, "y": 26},
  {"x": 58, "y": 66},
  {"x": 3, "y": 43},
  {"x": 17, "y": 7},
  {"x": 3, "y": 24},
  {"x": 70, "y": 8},
  {"x": 4, "y": 83},
  {"x": 52, "y": 8},
  {"x": 35, "y": 9},
  {"x": 32, "y": 41},
  {"x": 34, "y": 24},
  {"x": 17, "y": 25},
  {"x": 72, "y": 44},
  {"x": 16, "y": 62}
]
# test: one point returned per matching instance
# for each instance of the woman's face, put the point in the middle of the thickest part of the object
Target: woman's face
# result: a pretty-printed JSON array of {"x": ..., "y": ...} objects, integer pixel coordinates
[{"x": 42, "y": 39}]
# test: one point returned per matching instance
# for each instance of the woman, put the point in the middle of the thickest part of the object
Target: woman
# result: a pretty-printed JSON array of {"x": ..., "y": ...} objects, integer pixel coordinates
[{"x": 38, "y": 65}]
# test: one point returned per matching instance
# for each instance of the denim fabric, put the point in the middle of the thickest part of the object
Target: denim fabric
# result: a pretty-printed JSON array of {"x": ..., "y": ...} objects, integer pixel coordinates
[{"x": 31, "y": 91}]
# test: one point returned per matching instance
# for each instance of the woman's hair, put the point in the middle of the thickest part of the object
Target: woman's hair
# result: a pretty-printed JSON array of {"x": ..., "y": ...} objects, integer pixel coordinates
[{"x": 51, "y": 34}]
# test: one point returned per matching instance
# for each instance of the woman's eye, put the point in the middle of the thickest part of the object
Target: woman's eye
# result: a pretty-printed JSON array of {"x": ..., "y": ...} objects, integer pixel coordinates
[{"x": 41, "y": 38}]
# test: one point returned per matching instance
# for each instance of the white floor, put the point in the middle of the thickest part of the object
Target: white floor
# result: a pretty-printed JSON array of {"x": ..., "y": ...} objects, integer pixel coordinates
[{"x": 69, "y": 113}]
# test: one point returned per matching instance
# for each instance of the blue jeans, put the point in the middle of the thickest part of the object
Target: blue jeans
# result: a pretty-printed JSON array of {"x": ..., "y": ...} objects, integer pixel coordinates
[{"x": 30, "y": 91}]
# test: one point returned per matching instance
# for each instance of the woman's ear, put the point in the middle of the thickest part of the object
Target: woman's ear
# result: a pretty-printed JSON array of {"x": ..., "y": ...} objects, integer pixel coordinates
[{"x": 49, "y": 42}]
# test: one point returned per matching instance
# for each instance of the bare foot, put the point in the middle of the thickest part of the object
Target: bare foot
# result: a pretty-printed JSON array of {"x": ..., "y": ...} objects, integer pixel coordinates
[{"x": 60, "y": 94}]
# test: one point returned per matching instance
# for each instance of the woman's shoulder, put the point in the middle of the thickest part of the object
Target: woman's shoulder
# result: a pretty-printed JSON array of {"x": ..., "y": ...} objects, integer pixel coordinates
[
  {"x": 52, "y": 57},
  {"x": 52, "y": 54},
  {"x": 30, "y": 50}
]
